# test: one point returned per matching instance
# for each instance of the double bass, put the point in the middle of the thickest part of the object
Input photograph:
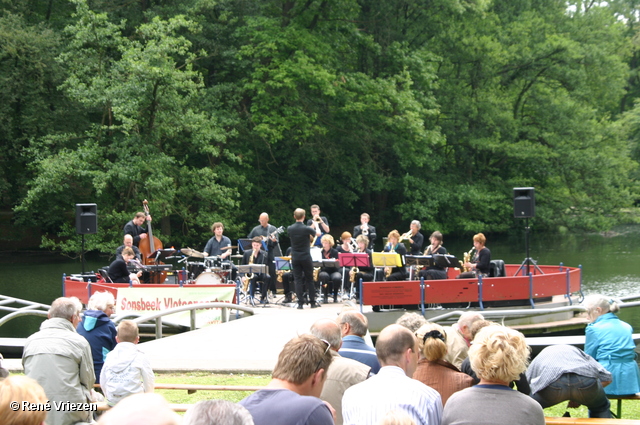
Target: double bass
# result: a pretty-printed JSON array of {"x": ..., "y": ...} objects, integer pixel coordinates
[{"x": 149, "y": 246}]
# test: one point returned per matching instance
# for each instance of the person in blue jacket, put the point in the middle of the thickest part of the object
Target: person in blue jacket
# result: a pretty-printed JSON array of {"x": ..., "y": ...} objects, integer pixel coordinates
[
  {"x": 98, "y": 329},
  {"x": 609, "y": 340}
]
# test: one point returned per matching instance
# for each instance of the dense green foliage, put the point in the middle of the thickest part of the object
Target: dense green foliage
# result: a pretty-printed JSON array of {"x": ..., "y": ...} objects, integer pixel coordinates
[{"x": 406, "y": 109}]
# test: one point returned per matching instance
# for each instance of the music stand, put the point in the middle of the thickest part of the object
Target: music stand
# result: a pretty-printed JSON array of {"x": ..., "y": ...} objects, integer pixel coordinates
[
  {"x": 446, "y": 260},
  {"x": 161, "y": 254},
  {"x": 244, "y": 244},
  {"x": 255, "y": 269},
  {"x": 418, "y": 260},
  {"x": 386, "y": 259},
  {"x": 352, "y": 259}
]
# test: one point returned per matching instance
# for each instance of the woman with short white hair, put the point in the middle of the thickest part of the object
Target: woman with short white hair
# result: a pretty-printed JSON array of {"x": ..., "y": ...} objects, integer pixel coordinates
[{"x": 498, "y": 356}]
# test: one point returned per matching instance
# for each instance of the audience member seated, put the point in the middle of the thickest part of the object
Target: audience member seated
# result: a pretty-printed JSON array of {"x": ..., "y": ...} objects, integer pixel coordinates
[
  {"x": 18, "y": 388},
  {"x": 432, "y": 369},
  {"x": 411, "y": 321},
  {"x": 498, "y": 356},
  {"x": 217, "y": 412},
  {"x": 60, "y": 360},
  {"x": 291, "y": 398},
  {"x": 98, "y": 329},
  {"x": 354, "y": 326},
  {"x": 343, "y": 372},
  {"x": 126, "y": 370},
  {"x": 392, "y": 388},
  {"x": 609, "y": 340},
  {"x": 147, "y": 409},
  {"x": 522, "y": 384},
  {"x": 566, "y": 373},
  {"x": 459, "y": 337}
]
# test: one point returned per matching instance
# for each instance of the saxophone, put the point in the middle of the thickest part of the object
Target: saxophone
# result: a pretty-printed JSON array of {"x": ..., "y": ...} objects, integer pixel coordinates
[
  {"x": 352, "y": 274},
  {"x": 247, "y": 277},
  {"x": 388, "y": 270},
  {"x": 466, "y": 257}
]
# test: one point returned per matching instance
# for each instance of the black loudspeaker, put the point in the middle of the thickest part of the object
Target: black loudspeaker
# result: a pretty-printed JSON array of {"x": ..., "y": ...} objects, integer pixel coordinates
[
  {"x": 86, "y": 218},
  {"x": 524, "y": 202}
]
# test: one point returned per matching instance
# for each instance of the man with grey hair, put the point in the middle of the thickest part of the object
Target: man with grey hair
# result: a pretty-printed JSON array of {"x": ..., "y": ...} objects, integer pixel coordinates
[
  {"x": 60, "y": 360},
  {"x": 353, "y": 326},
  {"x": 393, "y": 388},
  {"x": 213, "y": 412},
  {"x": 343, "y": 372},
  {"x": 459, "y": 337},
  {"x": 411, "y": 321},
  {"x": 415, "y": 238},
  {"x": 127, "y": 242}
]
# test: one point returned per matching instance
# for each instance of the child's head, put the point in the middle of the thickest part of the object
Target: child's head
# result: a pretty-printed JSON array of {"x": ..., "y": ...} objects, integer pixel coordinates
[{"x": 128, "y": 332}]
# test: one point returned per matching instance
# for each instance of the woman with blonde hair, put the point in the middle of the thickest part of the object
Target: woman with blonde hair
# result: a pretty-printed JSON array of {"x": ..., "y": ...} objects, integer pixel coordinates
[
  {"x": 498, "y": 356},
  {"x": 433, "y": 370},
  {"x": 609, "y": 340}
]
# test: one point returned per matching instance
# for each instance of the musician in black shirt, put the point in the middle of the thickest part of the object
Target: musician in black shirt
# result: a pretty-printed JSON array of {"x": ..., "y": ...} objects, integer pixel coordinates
[
  {"x": 435, "y": 271},
  {"x": 365, "y": 229},
  {"x": 257, "y": 256},
  {"x": 330, "y": 277},
  {"x": 301, "y": 237},
  {"x": 268, "y": 233},
  {"x": 134, "y": 228}
]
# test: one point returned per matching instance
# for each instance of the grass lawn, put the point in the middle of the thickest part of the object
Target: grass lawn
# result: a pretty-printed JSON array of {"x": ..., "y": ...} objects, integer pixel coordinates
[{"x": 630, "y": 409}]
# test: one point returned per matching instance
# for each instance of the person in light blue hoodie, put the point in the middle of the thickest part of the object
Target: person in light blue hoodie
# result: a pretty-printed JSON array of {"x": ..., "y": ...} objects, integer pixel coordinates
[
  {"x": 609, "y": 340},
  {"x": 98, "y": 329}
]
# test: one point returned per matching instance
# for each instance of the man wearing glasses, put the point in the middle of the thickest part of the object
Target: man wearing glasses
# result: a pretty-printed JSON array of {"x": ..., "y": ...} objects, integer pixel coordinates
[{"x": 291, "y": 398}]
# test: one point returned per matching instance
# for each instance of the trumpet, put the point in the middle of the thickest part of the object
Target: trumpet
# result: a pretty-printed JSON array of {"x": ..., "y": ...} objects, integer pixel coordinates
[
  {"x": 353, "y": 245},
  {"x": 406, "y": 236},
  {"x": 316, "y": 223},
  {"x": 365, "y": 229}
]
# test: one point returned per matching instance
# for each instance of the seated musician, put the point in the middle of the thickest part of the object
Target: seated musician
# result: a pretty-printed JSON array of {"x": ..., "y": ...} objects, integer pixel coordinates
[
  {"x": 330, "y": 277},
  {"x": 287, "y": 281},
  {"x": 257, "y": 256},
  {"x": 347, "y": 243},
  {"x": 364, "y": 273},
  {"x": 435, "y": 271},
  {"x": 481, "y": 261},
  {"x": 365, "y": 229},
  {"x": 215, "y": 245},
  {"x": 394, "y": 245},
  {"x": 118, "y": 272},
  {"x": 128, "y": 243}
]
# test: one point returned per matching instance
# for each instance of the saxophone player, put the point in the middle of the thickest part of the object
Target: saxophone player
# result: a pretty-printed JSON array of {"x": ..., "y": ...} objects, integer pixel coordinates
[
  {"x": 435, "y": 271},
  {"x": 257, "y": 256},
  {"x": 394, "y": 245},
  {"x": 364, "y": 273},
  {"x": 319, "y": 223},
  {"x": 330, "y": 277},
  {"x": 365, "y": 229},
  {"x": 481, "y": 261}
]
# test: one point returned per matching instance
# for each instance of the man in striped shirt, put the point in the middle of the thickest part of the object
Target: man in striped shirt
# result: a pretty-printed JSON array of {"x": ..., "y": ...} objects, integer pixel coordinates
[{"x": 392, "y": 388}]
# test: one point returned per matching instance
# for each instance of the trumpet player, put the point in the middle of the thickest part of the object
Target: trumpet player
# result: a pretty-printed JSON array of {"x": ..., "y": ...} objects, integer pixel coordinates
[
  {"x": 394, "y": 245},
  {"x": 320, "y": 224},
  {"x": 365, "y": 229},
  {"x": 414, "y": 237},
  {"x": 435, "y": 271},
  {"x": 330, "y": 277},
  {"x": 347, "y": 243},
  {"x": 481, "y": 260},
  {"x": 257, "y": 256}
]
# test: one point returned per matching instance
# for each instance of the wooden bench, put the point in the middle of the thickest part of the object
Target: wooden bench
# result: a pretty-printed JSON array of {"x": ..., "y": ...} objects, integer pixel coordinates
[
  {"x": 619, "y": 404},
  {"x": 589, "y": 421}
]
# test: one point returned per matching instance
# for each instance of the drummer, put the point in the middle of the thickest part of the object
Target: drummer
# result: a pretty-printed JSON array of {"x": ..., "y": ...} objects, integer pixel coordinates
[{"x": 215, "y": 245}]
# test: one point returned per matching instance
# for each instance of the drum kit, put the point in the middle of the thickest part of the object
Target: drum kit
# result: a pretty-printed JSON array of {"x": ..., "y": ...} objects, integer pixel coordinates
[{"x": 212, "y": 271}]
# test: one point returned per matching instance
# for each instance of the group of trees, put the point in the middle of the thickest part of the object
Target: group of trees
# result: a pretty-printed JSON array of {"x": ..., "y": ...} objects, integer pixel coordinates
[{"x": 217, "y": 110}]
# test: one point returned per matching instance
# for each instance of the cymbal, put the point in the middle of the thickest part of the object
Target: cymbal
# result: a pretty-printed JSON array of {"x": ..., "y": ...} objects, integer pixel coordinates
[
  {"x": 192, "y": 253},
  {"x": 237, "y": 256},
  {"x": 224, "y": 248}
]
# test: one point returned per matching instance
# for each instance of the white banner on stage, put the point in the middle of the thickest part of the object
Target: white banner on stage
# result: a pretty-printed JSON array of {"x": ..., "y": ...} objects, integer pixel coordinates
[{"x": 150, "y": 300}]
